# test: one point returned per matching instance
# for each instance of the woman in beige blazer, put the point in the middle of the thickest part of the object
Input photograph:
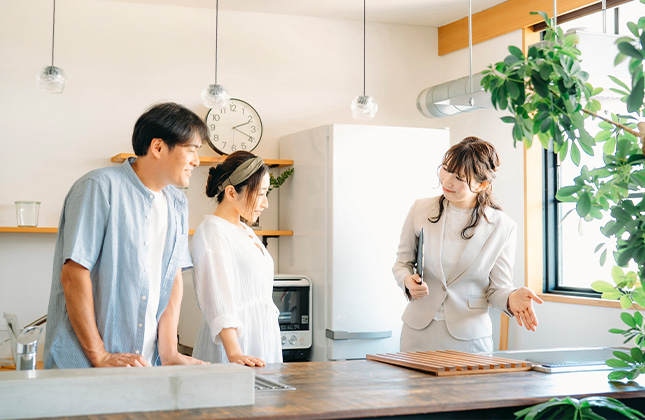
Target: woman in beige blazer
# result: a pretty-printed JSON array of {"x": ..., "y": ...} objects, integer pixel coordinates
[{"x": 469, "y": 251}]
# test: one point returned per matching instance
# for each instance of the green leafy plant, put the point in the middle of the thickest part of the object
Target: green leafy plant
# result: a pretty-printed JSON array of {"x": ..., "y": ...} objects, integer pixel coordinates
[
  {"x": 571, "y": 408},
  {"x": 549, "y": 98},
  {"x": 277, "y": 182}
]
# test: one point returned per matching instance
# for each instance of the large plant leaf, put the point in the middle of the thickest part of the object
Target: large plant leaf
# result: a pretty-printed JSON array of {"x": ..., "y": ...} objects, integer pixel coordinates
[
  {"x": 629, "y": 50},
  {"x": 617, "y": 375},
  {"x": 615, "y": 405},
  {"x": 618, "y": 81},
  {"x": 575, "y": 154},
  {"x": 611, "y": 295},
  {"x": 584, "y": 204},
  {"x": 635, "y": 99},
  {"x": 629, "y": 320},
  {"x": 516, "y": 52},
  {"x": 540, "y": 86},
  {"x": 602, "y": 286},
  {"x": 617, "y": 274},
  {"x": 625, "y": 302},
  {"x": 617, "y": 363}
]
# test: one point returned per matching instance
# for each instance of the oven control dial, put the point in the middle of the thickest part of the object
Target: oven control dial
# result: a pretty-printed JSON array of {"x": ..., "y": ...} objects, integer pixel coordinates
[
  {"x": 293, "y": 340},
  {"x": 284, "y": 339}
]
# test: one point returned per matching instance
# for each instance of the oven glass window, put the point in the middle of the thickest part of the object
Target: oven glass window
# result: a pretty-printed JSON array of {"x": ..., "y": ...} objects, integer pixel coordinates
[{"x": 293, "y": 304}]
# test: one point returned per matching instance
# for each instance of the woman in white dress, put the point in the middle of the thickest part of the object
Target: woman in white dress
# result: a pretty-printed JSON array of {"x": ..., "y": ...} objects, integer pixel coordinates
[{"x": 233, "y": 271}]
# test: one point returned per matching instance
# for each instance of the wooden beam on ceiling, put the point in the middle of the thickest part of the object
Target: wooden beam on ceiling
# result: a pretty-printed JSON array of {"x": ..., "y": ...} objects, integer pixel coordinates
[
  {"x": 588, "y": 10},
  {"x": 501, "y": 19}
]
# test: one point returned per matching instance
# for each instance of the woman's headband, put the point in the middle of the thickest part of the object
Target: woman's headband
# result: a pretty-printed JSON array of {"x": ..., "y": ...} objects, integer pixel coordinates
[{"x": 242, "y": 173}]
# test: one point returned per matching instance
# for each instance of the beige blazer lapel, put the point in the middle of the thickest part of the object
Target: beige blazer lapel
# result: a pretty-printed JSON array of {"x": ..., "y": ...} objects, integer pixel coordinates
[
  {"x": 433, "y": 245},
  {"x": 473, "y": 246}
]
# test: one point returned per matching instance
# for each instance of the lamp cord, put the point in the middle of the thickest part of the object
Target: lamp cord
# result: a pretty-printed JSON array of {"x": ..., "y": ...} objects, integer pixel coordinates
[
  {"x": 470, "y": 46},
  {"x": 604, "y": 16},
  {"x": 53, "y": 31},
  {"x": 364, "y": 47},
  {"x": 216, "y": 24}
]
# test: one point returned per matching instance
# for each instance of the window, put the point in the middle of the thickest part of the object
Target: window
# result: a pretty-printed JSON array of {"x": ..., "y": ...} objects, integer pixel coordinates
[{"x": 571, "y": 261}]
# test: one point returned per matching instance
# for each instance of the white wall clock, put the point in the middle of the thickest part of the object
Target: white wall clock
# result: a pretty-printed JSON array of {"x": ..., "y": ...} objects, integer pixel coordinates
[{"x": 235, "y": 127}]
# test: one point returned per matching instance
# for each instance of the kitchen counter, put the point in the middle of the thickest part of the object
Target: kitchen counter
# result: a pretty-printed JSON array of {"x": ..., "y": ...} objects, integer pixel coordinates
[{"x": 355, "y": 389}]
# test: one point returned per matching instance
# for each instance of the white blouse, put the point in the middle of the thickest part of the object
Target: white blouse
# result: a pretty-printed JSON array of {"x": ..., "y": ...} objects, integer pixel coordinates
[
  {"x": 233, "y": 275},
  {"x": 453, "y": 244}
]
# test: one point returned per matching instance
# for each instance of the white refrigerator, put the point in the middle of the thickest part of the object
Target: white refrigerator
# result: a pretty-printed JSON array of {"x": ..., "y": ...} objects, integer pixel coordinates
[{"x": 346, "y": 203}]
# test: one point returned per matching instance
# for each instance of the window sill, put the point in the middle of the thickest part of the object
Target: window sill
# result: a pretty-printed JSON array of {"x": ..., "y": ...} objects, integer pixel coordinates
[{"x": 574, "y": 300}]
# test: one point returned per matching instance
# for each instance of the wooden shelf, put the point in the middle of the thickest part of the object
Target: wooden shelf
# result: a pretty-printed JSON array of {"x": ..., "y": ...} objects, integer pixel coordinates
[
  {"x": 9, "y": 229},
  {"x": 8, "y": 364},
  {"x": 263, "y": 232},
  {"x": 212, "y": 160}
]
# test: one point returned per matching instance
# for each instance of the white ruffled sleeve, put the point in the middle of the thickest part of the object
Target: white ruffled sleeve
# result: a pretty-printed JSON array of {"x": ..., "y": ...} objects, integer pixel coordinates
[{"x": 215, "y": 280}]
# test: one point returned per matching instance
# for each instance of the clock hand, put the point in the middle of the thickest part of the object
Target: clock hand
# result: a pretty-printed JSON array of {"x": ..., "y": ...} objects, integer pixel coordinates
[
  {"x": 240, "y": 125},
  {"x": 241, "y": 132}
]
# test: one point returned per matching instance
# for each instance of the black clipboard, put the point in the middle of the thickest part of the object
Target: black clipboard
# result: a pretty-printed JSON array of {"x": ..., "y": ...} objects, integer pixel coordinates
[{"x": 420, "y": 255}]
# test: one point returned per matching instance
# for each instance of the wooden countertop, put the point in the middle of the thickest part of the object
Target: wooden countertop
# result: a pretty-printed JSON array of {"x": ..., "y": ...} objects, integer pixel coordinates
[{"x": 354, "y": 389}]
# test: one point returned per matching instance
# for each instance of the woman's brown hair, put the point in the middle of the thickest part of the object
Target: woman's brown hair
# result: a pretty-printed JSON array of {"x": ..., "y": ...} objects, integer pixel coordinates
[
  {"x": 472, "y": 159},
  {"x": 220, "y": 173}
]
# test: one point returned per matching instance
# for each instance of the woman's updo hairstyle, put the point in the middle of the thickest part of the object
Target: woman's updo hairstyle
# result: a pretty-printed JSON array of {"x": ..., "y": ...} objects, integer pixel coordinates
[
  {"x": 217, "y": 175},
  {"x": 472, "y": 159}
]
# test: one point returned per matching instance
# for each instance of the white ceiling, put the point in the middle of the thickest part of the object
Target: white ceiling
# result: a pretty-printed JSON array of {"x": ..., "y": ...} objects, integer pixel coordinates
[{"x": 411, "y": 12}]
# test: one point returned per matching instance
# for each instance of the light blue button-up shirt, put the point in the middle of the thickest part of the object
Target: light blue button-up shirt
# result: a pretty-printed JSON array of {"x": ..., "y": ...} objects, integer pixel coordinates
[{"x": 104, "y": 227}]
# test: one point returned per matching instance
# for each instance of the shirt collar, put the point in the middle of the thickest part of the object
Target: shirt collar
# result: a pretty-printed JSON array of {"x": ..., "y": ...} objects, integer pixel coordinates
[{"x": 127, "y": 167}]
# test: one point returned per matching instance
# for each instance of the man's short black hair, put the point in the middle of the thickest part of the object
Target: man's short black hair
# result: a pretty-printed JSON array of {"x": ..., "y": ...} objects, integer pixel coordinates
[{"x": 171, "y": 122}]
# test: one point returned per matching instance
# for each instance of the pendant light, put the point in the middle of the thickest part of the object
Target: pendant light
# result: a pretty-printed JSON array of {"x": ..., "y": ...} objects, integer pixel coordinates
[
  {"x": 215, "y": 96},
  {"x": 364, "y": 107},
  {"x": 52, "y": 79},
  {"x": 471, "y": 100}
]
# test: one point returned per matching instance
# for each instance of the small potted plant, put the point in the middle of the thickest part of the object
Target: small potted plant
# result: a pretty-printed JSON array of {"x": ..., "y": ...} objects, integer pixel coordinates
[{"x": 277, "y": 182}]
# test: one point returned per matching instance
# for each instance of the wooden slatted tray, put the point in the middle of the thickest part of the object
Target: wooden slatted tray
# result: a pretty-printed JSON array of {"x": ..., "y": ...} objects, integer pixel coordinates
[{"x": 449, "y": 362}]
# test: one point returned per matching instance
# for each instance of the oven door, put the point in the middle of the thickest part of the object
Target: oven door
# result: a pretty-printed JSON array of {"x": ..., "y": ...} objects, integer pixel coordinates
[{"x": 292, "y": 296}]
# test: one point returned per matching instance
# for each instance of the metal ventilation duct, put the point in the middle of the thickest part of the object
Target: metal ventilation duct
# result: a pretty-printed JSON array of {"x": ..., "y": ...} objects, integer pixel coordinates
[{"x": 453, "y": 97}]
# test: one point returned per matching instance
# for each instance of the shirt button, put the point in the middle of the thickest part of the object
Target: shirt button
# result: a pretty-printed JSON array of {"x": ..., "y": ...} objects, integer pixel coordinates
[
  {"x": 140, "y": 325},
  {"x": 146, "y": 243},
  {"x": 147, "y": 216},
  {"x": 143, "y": 298},
  {"x": 444, "y": 288},
  {"x": 136, "y": 351},
  {"x": 145, "y": 270},
  {"x": 151, "y": 196}
]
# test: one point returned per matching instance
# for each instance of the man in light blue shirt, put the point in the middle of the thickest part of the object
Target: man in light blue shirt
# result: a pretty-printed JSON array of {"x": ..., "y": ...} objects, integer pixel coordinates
[{"x": 122, "y": 245}]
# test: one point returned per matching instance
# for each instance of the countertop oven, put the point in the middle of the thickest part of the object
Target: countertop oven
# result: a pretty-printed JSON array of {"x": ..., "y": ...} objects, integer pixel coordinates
[{"x": 292, "y": 296}]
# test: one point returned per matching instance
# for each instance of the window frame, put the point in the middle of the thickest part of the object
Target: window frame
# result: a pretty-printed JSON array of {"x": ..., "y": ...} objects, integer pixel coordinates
[{"x": 552, "y": 215}]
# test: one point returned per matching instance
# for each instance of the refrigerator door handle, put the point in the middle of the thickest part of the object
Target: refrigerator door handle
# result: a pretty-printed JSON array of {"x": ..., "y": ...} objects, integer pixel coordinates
[{"x": 344, "y": 335}]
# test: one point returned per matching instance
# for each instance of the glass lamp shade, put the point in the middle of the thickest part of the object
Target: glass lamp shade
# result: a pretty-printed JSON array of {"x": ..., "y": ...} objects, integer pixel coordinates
[
  {"x": 215, "y": 96},
  {"x": 51, "y": 79},
  {"x": 364, "y": 107}
]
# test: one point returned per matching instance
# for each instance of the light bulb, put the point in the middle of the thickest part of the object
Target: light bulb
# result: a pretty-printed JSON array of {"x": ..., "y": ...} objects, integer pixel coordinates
[
  {"x": 364, "y": 107},
  {"x": 215, "y": 96},
  {"x": 51, "y": 79}
]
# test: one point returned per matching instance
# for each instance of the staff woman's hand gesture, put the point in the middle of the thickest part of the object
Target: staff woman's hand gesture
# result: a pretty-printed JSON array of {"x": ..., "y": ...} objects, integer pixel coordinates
[{"x": 520, "y": 304}]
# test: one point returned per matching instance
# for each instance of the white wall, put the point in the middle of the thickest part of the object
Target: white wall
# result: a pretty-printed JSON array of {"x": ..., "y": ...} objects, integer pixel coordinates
[{"x": 298, "y": 72}]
